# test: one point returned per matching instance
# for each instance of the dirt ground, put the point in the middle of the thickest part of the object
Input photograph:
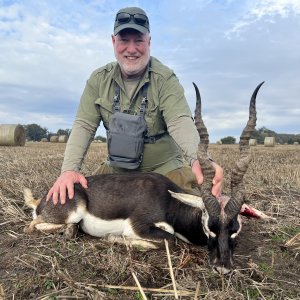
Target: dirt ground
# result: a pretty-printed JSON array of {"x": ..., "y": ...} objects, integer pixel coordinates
[{"x": 42, "y": 266}]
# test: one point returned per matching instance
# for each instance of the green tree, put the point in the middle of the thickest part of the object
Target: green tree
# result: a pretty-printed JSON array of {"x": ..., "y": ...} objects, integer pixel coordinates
[
  {"x": 35, "y": 132},
  {"x": 64, "y": 132},
  {"x": 228, "y": 140},
  {"x": 281, "y": 138},
  {"x": 101, "y": 138}
]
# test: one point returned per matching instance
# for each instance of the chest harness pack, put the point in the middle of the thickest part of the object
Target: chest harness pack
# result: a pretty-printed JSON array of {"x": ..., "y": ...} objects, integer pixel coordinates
[{"x": 127, "y": 133}]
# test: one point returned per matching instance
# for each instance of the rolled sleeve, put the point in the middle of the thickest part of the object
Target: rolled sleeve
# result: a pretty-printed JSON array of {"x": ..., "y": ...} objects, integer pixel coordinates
[
  {"x": 80, "y": 138},
  {"x": 182, "y": 129}
]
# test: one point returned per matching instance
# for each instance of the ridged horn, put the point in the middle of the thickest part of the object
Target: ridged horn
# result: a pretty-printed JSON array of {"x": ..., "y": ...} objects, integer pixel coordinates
[
  {"x": 237, "y": 189},
  {"x": 210, "y": 202}
]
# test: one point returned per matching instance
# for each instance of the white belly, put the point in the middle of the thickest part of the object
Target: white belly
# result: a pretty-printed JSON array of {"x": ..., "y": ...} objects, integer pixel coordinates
[{"x": 98, "y": 227}]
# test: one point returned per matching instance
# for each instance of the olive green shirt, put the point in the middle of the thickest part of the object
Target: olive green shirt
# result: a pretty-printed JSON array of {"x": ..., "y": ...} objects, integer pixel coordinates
[{"x": 167, "y": 110}]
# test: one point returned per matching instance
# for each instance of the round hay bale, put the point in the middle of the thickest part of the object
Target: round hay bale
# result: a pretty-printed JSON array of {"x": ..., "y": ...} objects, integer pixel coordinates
[
  {"x": 219, "y": 142},
  {"x": 44, "y": 140},
  {"x": 269, "y": 141},
  {"x": 12, "y": 135},
  {"x": 62, "y": 138},
  {"x": 54, "y": 139},
  {"x": 252, "y": 142},
  {"x": 296, "y": 143}
]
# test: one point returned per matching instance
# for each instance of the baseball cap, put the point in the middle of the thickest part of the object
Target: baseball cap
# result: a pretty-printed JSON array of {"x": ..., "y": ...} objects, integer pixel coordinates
[{"x": 131, "y": 17}]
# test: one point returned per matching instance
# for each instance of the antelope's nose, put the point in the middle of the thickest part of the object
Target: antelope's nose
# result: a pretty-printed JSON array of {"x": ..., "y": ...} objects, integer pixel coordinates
[{"x": 222, "y": 270}]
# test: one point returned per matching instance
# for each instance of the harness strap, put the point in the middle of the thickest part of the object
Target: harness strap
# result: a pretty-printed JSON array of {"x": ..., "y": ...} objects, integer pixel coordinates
[
  {"x": 116, "y": 108},
  {"x": 116, "y": 99},
  {"x": 144, "y": 99},
  {"x": 152, "y": 139}
]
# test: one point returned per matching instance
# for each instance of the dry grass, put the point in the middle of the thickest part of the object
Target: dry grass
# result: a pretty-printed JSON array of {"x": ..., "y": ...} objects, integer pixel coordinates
[{"x": 49, "y": 267}]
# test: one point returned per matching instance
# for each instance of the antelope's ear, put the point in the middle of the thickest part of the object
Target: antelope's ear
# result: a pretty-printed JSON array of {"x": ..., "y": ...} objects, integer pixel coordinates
[{"x": 188, "y": 199}]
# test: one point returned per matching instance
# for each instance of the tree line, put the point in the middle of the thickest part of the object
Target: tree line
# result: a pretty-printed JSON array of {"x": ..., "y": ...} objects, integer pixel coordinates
[
  {"x": 263, "y": 132},
  {"x": 35, "y": 132}
]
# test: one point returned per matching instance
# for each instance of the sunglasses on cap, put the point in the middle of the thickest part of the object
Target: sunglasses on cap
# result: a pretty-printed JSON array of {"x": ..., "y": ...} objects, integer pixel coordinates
[{"x": 123, "y": 18}]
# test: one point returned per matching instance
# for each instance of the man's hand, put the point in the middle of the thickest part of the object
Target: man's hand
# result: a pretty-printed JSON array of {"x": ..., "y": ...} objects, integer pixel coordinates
[
  {"x": 65, "y": 184},
  {"x": 197, "y": 172},
  {"x": 217, "y": 181}
]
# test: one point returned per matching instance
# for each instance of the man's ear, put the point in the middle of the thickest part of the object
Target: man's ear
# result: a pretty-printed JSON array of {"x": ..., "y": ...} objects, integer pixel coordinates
[{"x": 113, "y": 39}]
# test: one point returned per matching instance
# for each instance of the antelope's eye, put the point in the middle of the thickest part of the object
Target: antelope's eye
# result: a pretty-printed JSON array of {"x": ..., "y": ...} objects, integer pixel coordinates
[
  {"x": 210, "y": 225},
  {"x": 212, "y": 234},
  {"x": 208, "y": 232},
  {"x": 234, "y": 235}
]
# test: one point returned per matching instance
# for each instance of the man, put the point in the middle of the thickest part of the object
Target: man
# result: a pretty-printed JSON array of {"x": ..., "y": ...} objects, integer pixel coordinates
[{"x": 135, "y": 76}]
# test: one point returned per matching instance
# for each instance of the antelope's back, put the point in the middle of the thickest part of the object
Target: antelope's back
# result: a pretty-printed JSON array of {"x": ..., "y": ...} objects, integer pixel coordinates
[{"x": 119, "y": 195}]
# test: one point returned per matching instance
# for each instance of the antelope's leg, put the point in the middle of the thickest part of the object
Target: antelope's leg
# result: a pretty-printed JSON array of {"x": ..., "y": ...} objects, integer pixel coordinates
[
  {"x": 149, "y": 236},
  {"x": 71, "y": 231},
  {"x": 157, "y": 233},
  {"x": 132, "y": 242},
  {"x": 30, "y": 229},
  {"x": 50, "y": 227}
]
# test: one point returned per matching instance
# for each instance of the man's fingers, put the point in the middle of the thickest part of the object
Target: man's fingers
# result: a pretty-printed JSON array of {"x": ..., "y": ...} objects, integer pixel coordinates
[
  {"x": 62, "y": 194},
  {"x": 55, "y": 198},
  {"x": 63, "y": 188},
  {"x": 70, "y": 188},
  {"x": 200, "y": 178},
  {"x": 217, "y": 189},
  {"x": 83, "y": 182},
  {"x": 217, "y": 181},
  {"x": 49, "y": 194},
  {"x": 196, "y": 168}
]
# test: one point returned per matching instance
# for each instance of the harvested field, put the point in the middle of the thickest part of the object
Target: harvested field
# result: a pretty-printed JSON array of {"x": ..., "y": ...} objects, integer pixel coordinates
[{"x": 48, "y": 267}]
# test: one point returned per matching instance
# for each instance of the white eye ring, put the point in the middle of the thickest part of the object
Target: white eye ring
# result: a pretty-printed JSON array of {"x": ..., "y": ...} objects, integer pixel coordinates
[
  {"x": 205, "y": 217},
  {"x": 212, "y": 234},
  {"x": 234, "y": 235}
]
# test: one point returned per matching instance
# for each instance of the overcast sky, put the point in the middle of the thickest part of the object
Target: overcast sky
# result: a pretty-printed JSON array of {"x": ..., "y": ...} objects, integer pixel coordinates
[{"x": 48, "y": 49}]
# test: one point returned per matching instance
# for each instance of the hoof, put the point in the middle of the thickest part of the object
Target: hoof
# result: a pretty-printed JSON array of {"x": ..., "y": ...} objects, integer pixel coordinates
[
  {"x": 28, "y": 230},
  {"x": 71, "y": 231}
]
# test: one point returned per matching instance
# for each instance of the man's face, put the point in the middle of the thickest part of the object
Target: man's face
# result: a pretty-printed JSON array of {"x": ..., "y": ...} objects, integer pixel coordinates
[{"x": 132, "y": 51}]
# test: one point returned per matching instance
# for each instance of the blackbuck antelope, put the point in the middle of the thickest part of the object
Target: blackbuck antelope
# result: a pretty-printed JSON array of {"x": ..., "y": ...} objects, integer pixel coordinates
[{"x": 146, "y": 208}]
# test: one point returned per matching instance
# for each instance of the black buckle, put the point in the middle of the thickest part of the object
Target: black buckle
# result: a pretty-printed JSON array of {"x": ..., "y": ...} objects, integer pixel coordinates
[
  {"x": 151, "y": 139},
  {"x": 117, "y": 107}
]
